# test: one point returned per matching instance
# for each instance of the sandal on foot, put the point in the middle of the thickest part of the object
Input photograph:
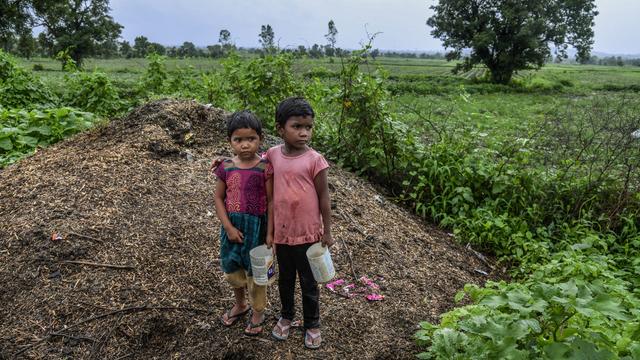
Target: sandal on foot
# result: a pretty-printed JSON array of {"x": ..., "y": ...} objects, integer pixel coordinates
[
  {"x": 232, "y": 319},
  {"x": 310, "y": 340},
  {"x": 283, "y": 334},
  {"x": 251, "y": 326}
]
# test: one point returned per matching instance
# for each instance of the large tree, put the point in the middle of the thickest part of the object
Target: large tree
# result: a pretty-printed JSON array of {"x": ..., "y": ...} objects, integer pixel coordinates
[
  {"x": 14, "y": 20},
  {"x": 140, "y": 46},
  {"x": 511, "y": 35},
  {"x": 77, "y": 25}
]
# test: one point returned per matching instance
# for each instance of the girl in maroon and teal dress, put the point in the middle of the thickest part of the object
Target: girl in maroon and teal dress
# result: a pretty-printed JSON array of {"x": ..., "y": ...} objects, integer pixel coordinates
[{"x": 241, "y": 205}]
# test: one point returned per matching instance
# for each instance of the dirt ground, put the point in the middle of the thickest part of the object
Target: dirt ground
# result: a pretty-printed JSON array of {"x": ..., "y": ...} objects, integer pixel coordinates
[{"x": 132, "y": 271}]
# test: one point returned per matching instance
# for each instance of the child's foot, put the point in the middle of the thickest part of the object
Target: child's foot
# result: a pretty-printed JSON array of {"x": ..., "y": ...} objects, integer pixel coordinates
[
  {"x": 312, "y": 338},
  {"x": 281, "y": 330},
  {"x": 255, "y": 325},
  {"x": 234, "y": 314}
]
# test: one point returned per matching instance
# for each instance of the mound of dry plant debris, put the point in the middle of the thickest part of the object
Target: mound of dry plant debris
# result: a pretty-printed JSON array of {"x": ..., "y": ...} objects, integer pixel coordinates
[{"x": 109, "y": 250}]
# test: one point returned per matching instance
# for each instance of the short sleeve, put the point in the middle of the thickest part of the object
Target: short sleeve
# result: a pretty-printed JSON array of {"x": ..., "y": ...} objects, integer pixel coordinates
[
  {"x": 221, "y": 173},
  {"x": 268, "y": 155},
  {"x": 319, "y": 164},
  {"x": 268, "y": 171}
]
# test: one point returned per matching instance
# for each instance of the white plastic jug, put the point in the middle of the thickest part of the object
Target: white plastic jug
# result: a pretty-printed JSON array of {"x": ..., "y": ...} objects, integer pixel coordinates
[
  {"x": 321, "y": 264},
  {"x": 262, "y": 265}
]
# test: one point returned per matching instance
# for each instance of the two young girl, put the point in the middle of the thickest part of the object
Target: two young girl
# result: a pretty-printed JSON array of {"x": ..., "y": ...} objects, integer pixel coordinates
[{"x": 292, "y": 183}]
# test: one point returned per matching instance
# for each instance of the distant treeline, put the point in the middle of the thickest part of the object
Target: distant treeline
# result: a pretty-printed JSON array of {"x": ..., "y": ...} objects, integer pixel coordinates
[
  {"x": 613, "y": 61},
  {"x": 28, "y": 46}
]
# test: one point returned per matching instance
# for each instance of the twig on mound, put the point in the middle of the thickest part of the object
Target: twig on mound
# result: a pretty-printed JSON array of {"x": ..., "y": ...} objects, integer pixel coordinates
[
  {"x": 353, "y": 272},
  {"x": 127, "y": 310},
  {"x": 356, "y": 226},
  {"x": 480, "y": 256},
  {"x": 74, "y": 337},
  {"x": 344, "y": 243},
  {"x": 112, "y": 266},
  {"x": 87, "y": 237}
]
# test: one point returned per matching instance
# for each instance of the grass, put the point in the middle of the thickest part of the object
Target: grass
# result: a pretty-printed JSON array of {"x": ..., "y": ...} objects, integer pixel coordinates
[{"x": 426, "y": 89}]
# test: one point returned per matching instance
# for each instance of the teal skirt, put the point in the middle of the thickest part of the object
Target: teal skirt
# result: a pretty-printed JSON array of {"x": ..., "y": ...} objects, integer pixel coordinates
[{"x": 235, "y": 256}]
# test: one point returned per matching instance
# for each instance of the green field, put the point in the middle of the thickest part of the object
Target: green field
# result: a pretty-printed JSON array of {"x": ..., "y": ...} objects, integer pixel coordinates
[{"x": 426, "y": 85}]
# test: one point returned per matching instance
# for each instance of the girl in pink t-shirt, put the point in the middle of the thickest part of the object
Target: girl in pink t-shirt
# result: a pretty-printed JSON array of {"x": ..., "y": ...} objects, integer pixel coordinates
[{"x": 301, "y": 213}]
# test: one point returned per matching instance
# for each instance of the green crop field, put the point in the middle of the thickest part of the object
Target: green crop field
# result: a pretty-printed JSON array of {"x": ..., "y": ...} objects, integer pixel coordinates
[{"x": 426, "y": 85}]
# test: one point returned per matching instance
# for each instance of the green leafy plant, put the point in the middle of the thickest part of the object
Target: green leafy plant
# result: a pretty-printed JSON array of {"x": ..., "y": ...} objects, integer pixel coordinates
[
  {"x": 20, "y": 89},
  {"x": 155, "y": 75},
  {"x": 22, "y": 131},
  {"x": 92, "y": 92},
  {"x": 575, "y": 306},
  {"x": 216, "y": 90}
]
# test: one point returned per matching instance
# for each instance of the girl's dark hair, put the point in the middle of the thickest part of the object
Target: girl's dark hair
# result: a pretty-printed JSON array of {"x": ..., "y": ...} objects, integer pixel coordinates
[
  {"x": 243, "y": 119},
  {"x": 293, "y": 106}
]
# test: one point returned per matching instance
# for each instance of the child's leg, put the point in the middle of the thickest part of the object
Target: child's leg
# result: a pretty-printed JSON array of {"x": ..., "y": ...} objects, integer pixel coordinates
[
  {"x": 286, "y": 280},
  {"x": 309, "y": 287},
  {"x": 257, "y": 295},
  {"x": 258, "y": 299},
  {"x": 238, "y": 281}
]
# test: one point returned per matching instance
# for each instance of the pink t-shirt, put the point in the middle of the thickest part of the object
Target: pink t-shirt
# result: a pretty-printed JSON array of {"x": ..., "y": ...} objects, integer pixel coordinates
[{"x": 297, "y": 217}]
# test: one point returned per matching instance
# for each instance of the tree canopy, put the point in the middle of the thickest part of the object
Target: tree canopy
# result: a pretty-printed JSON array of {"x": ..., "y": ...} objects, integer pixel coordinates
[
  {"x": 79, "y": 26},
  {"x": 266, "y": 38},
  {"x": 511, "y": 35},
  {"x": 14, "y": 19}
]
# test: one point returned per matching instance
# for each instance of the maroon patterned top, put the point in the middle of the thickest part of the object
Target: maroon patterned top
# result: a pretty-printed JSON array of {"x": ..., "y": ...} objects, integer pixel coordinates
[{"x": 246, "y": 191}]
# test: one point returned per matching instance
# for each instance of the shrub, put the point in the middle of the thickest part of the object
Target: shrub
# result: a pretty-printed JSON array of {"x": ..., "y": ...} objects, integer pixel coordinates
[
  {"x": 93, "y": 92},
  {"x": 20, "y": 89}
]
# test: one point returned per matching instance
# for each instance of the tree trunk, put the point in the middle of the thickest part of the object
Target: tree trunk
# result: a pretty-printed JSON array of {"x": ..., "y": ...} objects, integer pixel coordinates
[{"x": 501, "y": 75}]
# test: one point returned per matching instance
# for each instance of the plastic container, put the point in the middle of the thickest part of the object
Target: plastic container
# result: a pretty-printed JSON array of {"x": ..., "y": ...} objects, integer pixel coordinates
[
  {"x": 321, "y": 264},
  {"x": 262, "y": 265}
]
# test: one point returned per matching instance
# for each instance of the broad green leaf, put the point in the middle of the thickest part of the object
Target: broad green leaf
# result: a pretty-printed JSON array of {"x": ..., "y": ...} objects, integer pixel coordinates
[
  {"x": 494, "y": 301},
  {"x": 584, "y": 350},
  {"x": 609, "y": 306},
  {"x": 5, "y": 144},
  {"x": 556, "y": 350},
  {"x": 43, "y": 130},
  {"x": 27, "y": 140}
]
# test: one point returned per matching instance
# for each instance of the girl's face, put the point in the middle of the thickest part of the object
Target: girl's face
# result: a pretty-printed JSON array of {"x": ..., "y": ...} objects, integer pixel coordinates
[
  {"x": 245, "y": 143},
  {"x": 297, "y": 131}
]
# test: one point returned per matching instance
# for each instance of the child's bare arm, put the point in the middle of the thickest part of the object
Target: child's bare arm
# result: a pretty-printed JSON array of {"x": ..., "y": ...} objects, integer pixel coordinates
[
  {"x": 269, "y": 187},
  {"x": 234, "y": 234},
  {"x": 321, "y": 183}
]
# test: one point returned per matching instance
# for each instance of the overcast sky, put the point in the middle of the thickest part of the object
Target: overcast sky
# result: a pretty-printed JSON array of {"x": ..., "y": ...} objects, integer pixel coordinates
[{"x": 401, "y": 23}]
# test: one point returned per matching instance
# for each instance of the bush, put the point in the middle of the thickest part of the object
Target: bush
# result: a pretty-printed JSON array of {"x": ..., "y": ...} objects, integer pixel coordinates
[
  {"x": 261, "y": 83},
  {"x": 92, "y": 92},
  {"x": 20, "y": 89},
  {"x": 156, "y": 74}
]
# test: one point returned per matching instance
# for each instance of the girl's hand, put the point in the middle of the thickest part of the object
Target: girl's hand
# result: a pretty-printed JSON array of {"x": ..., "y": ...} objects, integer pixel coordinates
[
  {"x": 327, "y": 240},
  {"x": 234, "y": 235},
  {"x": 269, "y": 241},
  {"x": 215, "y": 164}
]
